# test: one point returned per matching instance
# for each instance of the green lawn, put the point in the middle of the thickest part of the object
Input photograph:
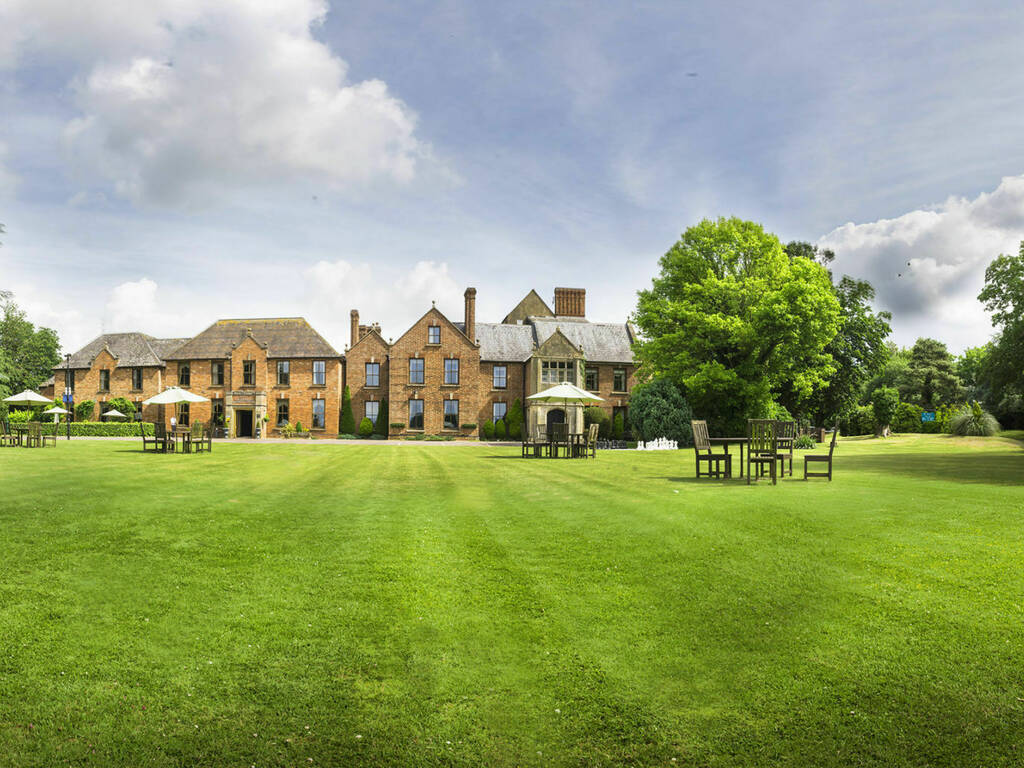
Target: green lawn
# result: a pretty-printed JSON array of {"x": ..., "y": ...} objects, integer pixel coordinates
[{"x": 437, "y": 605}]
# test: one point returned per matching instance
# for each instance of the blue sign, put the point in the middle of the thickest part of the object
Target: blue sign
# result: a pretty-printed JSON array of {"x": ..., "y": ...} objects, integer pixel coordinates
[
  {"x": 927, "y": 416},
  {"x": 67, "y": 398}
]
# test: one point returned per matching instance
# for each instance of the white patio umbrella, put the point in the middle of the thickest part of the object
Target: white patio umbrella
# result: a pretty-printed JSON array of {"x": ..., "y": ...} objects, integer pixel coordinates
[
  {"x": 565, "y": 393},
  {"x": 28, "y": 397},
  {"x": 173, "y": 396},
  {"x": 55, "y": 411},
  {"x": 113, "y": 413}
]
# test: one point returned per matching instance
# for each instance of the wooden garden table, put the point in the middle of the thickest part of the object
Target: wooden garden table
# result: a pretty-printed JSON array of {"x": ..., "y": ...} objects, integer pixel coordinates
[{"x": 725, "y": 442}]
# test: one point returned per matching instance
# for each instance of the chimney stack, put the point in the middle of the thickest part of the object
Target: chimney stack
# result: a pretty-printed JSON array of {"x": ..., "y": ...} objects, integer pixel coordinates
[
  {"x": 571, "y": 302},
  {"x": 354, "y": 331},
  {"x": 471, "y": 314}
]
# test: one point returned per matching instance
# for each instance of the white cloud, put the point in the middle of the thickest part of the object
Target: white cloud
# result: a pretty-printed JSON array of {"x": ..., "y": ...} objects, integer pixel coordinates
[
  {"x": 928, "y": 265},
  {"x": 135, "y": 306},
  {"x": 392, "y": 296},
  {"x": 181, "y": 99}
]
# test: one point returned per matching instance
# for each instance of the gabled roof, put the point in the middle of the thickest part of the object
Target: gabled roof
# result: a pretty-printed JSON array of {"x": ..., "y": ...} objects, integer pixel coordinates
[
  {"x": 131, "y": 350},
  {"x": 458, "y": 327},
  {"x": 503, "y": 342},
  {"x": 532, "y": 305},
  {"x": 280, "y": 336},
  {"x": 371, "y": 333},
  {"x": 601, "y": 342}
]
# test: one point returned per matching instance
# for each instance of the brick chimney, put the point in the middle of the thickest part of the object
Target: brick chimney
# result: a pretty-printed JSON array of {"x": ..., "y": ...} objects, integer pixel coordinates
[
  {"x": 571, "y": 302},
  {"x": 471, "y": 314},
  {"x": 354, "y": 332}
]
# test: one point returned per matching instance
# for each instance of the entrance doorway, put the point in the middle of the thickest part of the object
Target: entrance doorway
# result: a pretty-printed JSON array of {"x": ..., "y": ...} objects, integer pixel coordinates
[
  {"x": 243, "y": 423},
  {"x": 555, "y": 416}
]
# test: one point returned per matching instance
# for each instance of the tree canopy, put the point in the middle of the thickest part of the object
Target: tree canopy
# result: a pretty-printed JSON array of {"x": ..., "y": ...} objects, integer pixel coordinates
[
  {"x": 27, "y": 353},
  {"x": 930, "y": 379},
  {"x": 734, "y": 320},
  {"x": 858, "y": 350}
]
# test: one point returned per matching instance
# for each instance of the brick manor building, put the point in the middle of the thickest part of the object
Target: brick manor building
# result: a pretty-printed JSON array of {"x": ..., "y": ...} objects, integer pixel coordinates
[{"x": 438, "y": 377}]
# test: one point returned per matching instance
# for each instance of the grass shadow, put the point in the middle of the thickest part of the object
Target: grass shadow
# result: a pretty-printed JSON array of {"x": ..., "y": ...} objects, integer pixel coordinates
[{"x": 984, "y": 468}]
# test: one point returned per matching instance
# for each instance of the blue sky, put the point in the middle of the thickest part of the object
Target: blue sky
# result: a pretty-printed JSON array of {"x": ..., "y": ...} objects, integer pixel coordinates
[{"x": 167, "y": 163}]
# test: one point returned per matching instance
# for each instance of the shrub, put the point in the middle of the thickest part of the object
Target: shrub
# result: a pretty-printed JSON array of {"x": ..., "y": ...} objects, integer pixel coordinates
[
  {"x": 658, "y": 409},
  {"x": 347, "y": 436},
  {"x": 470, "y": 426},
  {"x": 594, "y": 415},
  {"x": 500, "y": 430},
  {"x": 944, "y": 415},
  {"x": 488, "y": 431},
  {"x": 83, "y": 411},
  {"x": 884, "y": 402},
  {"x": 618, "y": 426},
  {"x": 380, "y": 425},
  {"x": 777, "y": 412},
  {"x": 365, "y": 427},
  {"x": 348, "y": 421},
  {"x": 103, "y": 429},
  {"x": 907, "y": 418},
  {"x": 514, "y": 420},
  {"x": 804, "y": 442},
  {"x": 298, "y": 426},
  {"x": 858, "y": 421},
  {"x": 974, "y": 420},
  {"x": 122, "y": 404},
  {"x": 20, "y": 417},
  {"x": 397, "y": 425}
]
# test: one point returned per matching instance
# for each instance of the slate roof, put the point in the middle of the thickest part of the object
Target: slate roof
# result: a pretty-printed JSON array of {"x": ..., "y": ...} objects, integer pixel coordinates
[
  {"x": 131, "y": 350},
  {"x": 503, "y": 341},
  {"x": 282, "y": 336},
  {"x": 601, "y": 342}
]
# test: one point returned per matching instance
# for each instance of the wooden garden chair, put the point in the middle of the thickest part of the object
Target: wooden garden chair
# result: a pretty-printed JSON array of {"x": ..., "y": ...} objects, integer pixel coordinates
[
  {"x": 822, "y": 458},
  {"x": 558, "y": 437},
  {"x": 49, "y": 434},
  {"x": 7, "y": 438},
  {"x": 702, "y": 451},
  {"x": 201, "y": 437},
  {"x": 590, "y": 446},
  {"x": 762, "y": 448},
  {"x": 785, "y": 432},
  {"x": 34, "y": 438}
]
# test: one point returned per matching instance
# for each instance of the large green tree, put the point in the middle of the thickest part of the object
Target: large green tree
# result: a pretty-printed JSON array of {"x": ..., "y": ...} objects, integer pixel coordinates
[
  {"x": 930, "y": 378},
  {"x": 27, "y": 353},
  {"x": 733, "y": 320},
  {"x": 1003, "y": 371},
  {"x": 859, "y": 348}
]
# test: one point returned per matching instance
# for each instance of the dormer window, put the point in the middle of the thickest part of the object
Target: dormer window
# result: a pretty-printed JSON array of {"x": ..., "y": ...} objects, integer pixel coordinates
[{"x": 433, "y": 334}]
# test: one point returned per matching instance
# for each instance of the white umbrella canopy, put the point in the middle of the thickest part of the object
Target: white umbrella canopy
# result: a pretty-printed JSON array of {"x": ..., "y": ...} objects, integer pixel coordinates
[
  {"x": 175, "y": 395},
  {"x": 113, "y": 413},
  {"x": 56, "y": 410},
  {"x": 28, "y": 397},
  {"x": 565, "y": 393}
]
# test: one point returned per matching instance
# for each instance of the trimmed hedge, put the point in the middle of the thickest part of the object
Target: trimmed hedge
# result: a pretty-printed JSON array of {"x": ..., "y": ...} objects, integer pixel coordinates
[{"x": 105, "y": 429}]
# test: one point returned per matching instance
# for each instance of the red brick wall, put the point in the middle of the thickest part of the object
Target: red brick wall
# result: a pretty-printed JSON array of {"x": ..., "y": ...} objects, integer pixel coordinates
[
  {"x": 516, "y": 374},
  {"x": 370, "y": 348},
  {"x": 433, "y": 391},
  {"x": 87, "y": 385}
]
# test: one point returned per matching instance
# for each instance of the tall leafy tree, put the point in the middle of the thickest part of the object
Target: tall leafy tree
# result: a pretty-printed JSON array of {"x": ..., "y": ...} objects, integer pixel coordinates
[
  {"x": 1003, "y": 371},
  {"x": 733, "y": 320},
  {"x": 970, "y": 367},
  {"x": 27, "y": 353},
  {"x": 930, "y": 378},
  {"x": 859, "y": 348}
]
